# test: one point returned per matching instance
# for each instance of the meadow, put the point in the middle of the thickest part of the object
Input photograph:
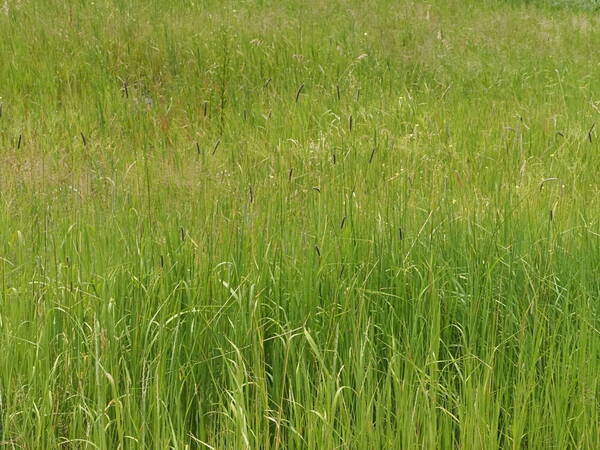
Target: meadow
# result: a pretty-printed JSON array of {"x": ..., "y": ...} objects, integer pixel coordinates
[{"x": 266, "y": 224}]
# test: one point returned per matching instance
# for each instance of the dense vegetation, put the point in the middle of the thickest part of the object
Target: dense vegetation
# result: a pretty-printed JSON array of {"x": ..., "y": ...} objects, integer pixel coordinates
[{"x": 289, "y": 225}]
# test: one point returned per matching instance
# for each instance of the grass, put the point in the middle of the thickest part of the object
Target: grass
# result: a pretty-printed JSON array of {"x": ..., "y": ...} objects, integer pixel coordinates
[{"x": 299, "y": 225}]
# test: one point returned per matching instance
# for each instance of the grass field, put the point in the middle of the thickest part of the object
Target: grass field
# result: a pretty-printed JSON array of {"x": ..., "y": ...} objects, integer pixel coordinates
[{"x": 299, "y": 225}]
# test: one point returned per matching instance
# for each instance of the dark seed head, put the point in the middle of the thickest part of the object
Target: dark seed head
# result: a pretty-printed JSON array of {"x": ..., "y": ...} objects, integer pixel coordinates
[
  {"x": 299, "y": 91},
  {"x": 216, "y": 146},
  {"x": 372, "y": 155}
]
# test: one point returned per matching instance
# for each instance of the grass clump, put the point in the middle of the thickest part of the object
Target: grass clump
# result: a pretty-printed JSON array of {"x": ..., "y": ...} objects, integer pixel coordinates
[{"x": 299, "y": 225}]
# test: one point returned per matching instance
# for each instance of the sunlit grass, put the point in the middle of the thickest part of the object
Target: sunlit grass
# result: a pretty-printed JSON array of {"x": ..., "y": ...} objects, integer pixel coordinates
[{"x": 299, "y": 225}]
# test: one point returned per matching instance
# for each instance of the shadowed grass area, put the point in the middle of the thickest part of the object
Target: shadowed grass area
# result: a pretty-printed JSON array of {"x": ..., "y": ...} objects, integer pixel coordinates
[{"x": 292, "y": 224}]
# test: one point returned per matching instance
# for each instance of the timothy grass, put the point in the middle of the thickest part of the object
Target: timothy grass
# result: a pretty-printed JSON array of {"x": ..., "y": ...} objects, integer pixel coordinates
[{"x": 299, "y": 225}]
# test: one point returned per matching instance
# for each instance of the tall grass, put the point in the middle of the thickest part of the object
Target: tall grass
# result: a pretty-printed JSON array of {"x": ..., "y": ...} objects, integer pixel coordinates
[{"x": 299, "y": 225}]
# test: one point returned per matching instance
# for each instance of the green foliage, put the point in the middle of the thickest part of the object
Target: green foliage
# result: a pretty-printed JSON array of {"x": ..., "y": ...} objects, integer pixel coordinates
[
  {"x": 573, "y": 5},
  {"x": 299, "y": 225},
  {"x": 592, "y": 5}
]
